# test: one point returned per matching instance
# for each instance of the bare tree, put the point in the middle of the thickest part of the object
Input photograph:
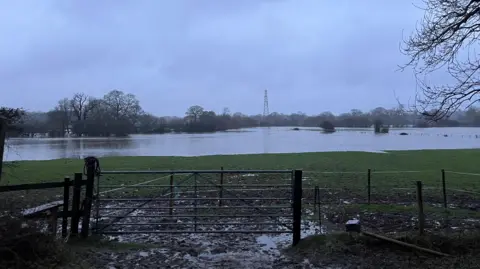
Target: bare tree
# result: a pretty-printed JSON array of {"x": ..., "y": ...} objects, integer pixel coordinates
[
  {"x": 123, "y": 106},
  {"x": 79, "y": 104},
  {"x": 194, "y": 112},
  {"x": 445, "y": 40}
]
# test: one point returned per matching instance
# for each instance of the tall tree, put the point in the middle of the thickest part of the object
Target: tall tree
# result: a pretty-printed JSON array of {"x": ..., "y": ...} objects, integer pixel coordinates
[
  {"x": 122, "y": 106},
  {"x": 79, "y": 104},
  {"x": 444, "y": 40},
  {"x": 194, "y": 112}
]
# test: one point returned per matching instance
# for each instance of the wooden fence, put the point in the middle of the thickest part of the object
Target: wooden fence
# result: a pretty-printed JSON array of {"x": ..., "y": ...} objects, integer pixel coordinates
[{"x": 73, "y": 207}]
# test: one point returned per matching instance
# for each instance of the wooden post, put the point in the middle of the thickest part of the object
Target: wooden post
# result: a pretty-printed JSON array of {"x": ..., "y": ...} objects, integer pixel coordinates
[
  {"x": 91, "y": 164},
  {"x": 3, "y": 131},
  {"x": 421, "y": 215},
  {"x": 297, "y": 207},
  {"x": 77, "y": 187},
  {"x": 195, "y": 201},
  {"x": 444, "y": 189},
  {"x": 369, "y": 185},
  {"x": 318, "y": 205},
  {"x": 172, "y": 196},
  {"x": 220, "y": 194},
  {"x": 66, "y": 200}
]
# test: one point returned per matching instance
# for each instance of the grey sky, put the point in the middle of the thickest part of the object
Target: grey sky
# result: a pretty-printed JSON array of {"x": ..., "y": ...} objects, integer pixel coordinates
[{"x": 312, "y": 55}]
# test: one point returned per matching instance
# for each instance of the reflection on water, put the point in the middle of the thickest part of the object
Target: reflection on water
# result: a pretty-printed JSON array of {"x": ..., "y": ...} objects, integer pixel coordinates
[
  {"x": 44, "y": 148},
  {"x": 259, "y": 140}
]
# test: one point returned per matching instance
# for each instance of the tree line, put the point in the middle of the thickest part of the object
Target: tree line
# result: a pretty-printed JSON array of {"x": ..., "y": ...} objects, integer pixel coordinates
[{"x": 120, "y": 114}]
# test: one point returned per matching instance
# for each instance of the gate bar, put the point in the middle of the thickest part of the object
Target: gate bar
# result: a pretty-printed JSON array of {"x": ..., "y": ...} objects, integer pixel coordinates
[
  {"x": 191, "y": 199},
  {"x": 199, "y": 207},
  {"x": 196, "y": 171},
  {"x": 206, "y": 216},
  {"x": 200, "y": 223},
  {"x": 199, "y": 185},
  {"x": 197, "y": 232},
  {"x": 145, "y": 202}
]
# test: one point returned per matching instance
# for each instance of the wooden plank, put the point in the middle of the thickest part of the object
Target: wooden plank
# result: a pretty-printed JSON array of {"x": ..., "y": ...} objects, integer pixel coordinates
[{"x": 35, "y": 211}]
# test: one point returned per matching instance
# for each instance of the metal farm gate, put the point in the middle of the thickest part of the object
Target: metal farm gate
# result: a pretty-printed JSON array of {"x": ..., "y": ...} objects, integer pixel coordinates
[{"x": 203, "y": 201}]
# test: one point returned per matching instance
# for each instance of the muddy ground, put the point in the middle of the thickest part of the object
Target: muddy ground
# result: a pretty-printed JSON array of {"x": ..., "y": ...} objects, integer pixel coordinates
[
  {"x": 153, "y": 249},
  {"x": 238, "y": 250}
]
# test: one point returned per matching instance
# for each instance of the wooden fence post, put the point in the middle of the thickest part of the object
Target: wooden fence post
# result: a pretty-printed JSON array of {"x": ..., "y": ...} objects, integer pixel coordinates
[
  {"x": 91, "y": 164},
  {"x": 297, "y": 206},
  {"x": 66, "y": 201},
  {"x": 220, "y": 194},
  {"x": 421, "y": 215},
  {"x": 318, "y": 203},
  {"x": 77, "y": 188},
  {"x": 369, "y": 185},
  {"x": 172, "y": 194},
  {"x": 444, "y": 189}
]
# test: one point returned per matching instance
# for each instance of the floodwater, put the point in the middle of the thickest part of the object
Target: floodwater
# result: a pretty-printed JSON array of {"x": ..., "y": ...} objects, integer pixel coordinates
[{"x": 245, "y": 141}]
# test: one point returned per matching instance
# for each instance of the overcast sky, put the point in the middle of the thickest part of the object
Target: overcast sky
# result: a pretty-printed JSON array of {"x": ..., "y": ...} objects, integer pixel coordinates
[{"x": 311, "y": 55}]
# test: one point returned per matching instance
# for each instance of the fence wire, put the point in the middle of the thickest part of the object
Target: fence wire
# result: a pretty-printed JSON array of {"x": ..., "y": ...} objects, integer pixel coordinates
[{"x": 387, "y": 201}]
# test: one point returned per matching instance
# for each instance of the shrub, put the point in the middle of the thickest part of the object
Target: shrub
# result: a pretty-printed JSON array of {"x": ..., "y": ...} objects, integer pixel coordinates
[{"x": 327, "y": 127}]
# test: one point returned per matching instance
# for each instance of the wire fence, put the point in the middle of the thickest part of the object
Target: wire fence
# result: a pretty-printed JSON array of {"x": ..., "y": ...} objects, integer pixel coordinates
[
  {"x": 390, "y": 201},
  {"x": 384, "y": 200}
]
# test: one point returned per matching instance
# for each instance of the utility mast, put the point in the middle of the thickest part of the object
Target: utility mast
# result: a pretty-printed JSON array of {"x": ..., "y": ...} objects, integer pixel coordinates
[{"x": 265, "y": 106}]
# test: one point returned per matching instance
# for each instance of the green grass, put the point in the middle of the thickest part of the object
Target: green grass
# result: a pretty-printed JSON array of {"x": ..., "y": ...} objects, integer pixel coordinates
[
  {"x": 429, "y": 161},
  {"x": 432, "y": 212},
  {"x": 344, "y": 172}
]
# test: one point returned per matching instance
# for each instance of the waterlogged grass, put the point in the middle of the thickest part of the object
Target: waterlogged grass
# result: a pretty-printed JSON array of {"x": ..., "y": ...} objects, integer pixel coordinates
[{"x": 327, "y": 169}]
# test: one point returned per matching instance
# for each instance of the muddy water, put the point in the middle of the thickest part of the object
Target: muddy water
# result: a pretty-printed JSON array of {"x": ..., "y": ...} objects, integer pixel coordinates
[
  {"x": 227, "y": 250},
  {"x": 256, "y": 140}
]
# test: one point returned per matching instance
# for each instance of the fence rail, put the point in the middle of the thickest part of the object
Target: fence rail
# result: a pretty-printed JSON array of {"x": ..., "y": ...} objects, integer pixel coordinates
[{"x": 35, "y": 186}]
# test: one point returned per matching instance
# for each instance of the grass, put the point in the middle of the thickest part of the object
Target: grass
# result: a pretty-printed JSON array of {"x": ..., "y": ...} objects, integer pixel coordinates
[
  {"x": 345, "y": 172},
  {"x": 337, "y": 249},
  {"x": 430, "y": 162},
  {"x": 350, "y": 174},
  {"x": 412, "y": 209}
]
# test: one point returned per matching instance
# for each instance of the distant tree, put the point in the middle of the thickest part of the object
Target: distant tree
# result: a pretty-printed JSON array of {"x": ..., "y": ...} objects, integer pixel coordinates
[
  {"x": 446, "y": 39},
  {"x": 377, "y": 125},
  {"x": 79, "y": 105},
  {"x": 150, "y": 124},
  {"x": 194, "y": 112},
  {"x": 327, "y": 127},
  {"x": 226, "y": 111},
  {"x": 122, "y": 106},
  {"x": 11, "y": 115}
]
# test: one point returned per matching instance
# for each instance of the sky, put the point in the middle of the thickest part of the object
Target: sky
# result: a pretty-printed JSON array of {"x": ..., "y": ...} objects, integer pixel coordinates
[{"x": 311, "y": 55}]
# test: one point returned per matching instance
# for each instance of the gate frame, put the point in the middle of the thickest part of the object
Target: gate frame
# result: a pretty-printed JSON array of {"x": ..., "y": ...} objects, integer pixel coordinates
[{"x": 296, "y": 203}]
